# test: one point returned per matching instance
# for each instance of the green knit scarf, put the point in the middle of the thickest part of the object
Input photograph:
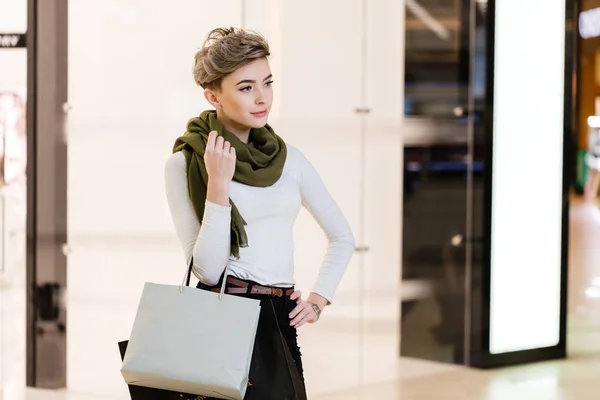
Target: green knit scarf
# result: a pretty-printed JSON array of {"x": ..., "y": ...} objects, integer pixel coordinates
[{"x": 259, "y": 163}]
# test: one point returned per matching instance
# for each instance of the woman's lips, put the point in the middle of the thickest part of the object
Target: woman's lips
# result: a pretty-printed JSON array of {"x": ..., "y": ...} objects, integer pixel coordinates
[{"x": 260, "y": 114}]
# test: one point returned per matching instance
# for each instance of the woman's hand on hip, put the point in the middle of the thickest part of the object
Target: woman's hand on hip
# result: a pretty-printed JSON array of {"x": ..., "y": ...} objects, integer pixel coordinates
[
  {"x": 303, "y": 312},
  {"x": 219, "y": 158}
]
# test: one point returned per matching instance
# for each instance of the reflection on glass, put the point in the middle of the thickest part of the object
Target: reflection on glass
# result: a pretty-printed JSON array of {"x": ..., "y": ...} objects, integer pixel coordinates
[
  {"x": 440, "y": 159},
  {"x": 436, "y": 72}
]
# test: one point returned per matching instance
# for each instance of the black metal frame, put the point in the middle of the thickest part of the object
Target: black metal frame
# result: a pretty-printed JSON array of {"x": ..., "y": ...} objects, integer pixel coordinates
[
  {"x": 31, "y": 273},
  {"x": 481, "y": 356},
  {"x": 46, "y": 194}
]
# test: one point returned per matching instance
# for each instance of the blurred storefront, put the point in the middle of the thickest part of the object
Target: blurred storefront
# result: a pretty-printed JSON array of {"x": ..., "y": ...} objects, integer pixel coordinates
[
  {"x": 588, "y": 82},
  {"x": 487, "y": 97}
]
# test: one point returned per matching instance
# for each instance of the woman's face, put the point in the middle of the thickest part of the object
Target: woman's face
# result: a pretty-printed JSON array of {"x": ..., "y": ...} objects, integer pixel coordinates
[{"x": 245, "y": 98}]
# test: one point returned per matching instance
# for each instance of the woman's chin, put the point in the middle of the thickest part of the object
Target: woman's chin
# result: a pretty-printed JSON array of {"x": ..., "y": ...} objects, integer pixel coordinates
[{"x": 258, "y": 123}]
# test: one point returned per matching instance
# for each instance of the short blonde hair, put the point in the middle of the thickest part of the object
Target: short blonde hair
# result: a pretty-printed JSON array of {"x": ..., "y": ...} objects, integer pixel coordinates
[{"x": 224, "y": 51}]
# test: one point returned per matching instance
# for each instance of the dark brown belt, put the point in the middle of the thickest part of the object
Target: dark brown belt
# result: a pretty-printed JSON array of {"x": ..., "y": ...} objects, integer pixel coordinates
[{"x": 246, "y": 288}]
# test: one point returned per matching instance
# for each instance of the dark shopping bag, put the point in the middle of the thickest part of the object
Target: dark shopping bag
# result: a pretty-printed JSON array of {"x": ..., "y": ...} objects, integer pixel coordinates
[{"x": 145, "y": 393}]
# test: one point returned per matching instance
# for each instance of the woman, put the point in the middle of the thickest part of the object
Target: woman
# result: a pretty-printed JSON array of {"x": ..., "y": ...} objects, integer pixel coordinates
[{"x": 234, "y": 189}]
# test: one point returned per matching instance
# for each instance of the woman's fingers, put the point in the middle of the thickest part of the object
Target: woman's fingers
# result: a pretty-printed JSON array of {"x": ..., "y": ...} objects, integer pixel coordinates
[
  {"x": 210, "y": 144},
  {"x": 302, "y": 314},
  {"x": 219, "y": 158},
  {"x": 296, "y": 295},
  {"x": 299, "y": 317},
  {"x": 219, "y": 144},
  {"x": 297, "y": 310}
]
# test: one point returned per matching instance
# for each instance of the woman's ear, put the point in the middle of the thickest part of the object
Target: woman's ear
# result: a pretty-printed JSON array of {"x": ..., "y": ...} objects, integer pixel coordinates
[{"x": 211, "y": 97}]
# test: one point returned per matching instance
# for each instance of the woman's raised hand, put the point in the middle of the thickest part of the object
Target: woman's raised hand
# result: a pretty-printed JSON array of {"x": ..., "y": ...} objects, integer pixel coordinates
[{"x": 219, "y": 159}]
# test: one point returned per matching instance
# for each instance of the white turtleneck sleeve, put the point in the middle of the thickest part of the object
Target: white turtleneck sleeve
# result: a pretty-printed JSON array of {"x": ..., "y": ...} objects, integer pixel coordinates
[{"x": 324, "y": 209}]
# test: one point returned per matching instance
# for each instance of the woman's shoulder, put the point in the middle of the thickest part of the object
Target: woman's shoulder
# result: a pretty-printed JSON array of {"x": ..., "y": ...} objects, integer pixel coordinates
[
  {"x": 298, "y": 162},
  {"x": 296, "y": 156},
  {"x": 175, "y": 164},
  {"x": 292, "y": 150}
]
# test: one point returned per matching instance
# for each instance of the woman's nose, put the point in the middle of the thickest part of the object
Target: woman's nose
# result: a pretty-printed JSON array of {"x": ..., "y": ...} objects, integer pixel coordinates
[{"x": 259, "y": 97}]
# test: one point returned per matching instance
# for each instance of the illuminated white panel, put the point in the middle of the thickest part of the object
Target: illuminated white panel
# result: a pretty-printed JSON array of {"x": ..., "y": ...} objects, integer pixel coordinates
[{"x": 527, "y": 174}]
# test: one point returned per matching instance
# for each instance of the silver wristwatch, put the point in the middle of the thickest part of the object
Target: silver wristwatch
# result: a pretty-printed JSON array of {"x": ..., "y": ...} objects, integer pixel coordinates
[{"x": 316, "y": 308}]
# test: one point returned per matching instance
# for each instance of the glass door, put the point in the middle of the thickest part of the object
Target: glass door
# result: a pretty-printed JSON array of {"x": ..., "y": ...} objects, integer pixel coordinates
[{"x": 442, "y": 174}]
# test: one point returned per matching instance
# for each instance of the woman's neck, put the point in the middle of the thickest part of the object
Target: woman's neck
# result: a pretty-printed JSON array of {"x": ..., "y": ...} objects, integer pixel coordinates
[{"x": 242, "y": 132}]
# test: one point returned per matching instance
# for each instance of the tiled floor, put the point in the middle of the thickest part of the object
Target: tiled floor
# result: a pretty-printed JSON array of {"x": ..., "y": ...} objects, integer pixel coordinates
[{"x": 99, "y": 318}]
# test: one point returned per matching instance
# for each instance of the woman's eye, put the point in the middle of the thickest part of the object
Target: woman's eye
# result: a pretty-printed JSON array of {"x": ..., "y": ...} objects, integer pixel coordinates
[
  {"x": 269, "y": 83},
  {"x": 245, "y": 88}
]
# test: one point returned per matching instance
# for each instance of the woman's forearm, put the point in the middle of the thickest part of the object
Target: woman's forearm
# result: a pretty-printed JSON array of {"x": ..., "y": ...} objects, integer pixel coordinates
[
  {"x": 212, "y": 247},
  {"x": 218, "y": 192},
  {"x": 208, "y": 244}
]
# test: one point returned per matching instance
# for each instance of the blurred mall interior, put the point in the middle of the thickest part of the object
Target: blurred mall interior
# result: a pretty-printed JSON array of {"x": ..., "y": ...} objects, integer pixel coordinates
[{"x": 461, "y": 138}]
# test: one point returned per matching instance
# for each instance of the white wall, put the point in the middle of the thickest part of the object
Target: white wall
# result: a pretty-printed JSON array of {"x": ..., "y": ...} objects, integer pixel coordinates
[
  {"x": 131, "y": 90},
  {"x": 13, "y": 78}
]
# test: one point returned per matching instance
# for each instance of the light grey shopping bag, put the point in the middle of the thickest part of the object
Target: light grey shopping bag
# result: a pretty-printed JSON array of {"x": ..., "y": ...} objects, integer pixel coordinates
[{"x": 192, "y": 341}]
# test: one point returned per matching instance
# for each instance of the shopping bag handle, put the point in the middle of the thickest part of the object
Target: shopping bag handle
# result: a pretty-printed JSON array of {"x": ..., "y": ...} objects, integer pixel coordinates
[
  {"x": 188, "y": 276},
  {"x": 189, "y": 273}
]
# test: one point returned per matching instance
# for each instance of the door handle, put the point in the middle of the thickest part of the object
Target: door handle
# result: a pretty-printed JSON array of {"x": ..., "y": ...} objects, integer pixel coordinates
[
  {"x": 361, "y": 248},
  {"x": 459, "y": 112}
]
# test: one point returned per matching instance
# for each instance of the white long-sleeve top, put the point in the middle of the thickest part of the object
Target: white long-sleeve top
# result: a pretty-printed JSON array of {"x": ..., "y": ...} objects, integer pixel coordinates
[{"x": 270, "y": 213}]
